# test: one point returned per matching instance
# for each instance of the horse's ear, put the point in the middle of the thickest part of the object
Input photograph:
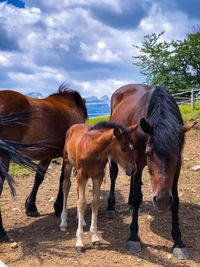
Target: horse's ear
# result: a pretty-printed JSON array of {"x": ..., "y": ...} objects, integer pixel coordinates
[
  {"x": 117, "y": 132},
  {"x": 188, "y": 127},
  {"x": 145, "y": 126}
]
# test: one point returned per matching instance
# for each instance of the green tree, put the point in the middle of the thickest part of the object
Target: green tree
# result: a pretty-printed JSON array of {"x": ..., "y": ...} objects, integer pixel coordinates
[{"x": 175, "y": 64}]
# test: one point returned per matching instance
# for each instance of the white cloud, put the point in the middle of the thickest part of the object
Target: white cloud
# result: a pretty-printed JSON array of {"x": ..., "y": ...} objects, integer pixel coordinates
[
  {"x": 59, "y": 42},
  {"x": 99, "y": 53},
  {"x": 100, "y": 87}
]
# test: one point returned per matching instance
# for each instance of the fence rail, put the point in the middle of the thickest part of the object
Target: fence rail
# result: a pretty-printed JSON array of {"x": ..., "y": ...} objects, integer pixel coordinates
[{"x": 188, "y": 97}]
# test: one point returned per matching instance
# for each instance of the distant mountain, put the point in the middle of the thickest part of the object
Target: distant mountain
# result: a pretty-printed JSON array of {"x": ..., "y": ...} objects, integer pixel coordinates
[
  {"x": 94, "y": 99},
  {"x": 105, "y": 99},
  {"x": 35, "y": 95}
]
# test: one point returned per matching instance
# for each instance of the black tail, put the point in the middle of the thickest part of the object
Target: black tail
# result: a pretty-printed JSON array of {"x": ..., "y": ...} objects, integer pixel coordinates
[
  {"x": 13, "y": 151},
  {"x": 18, "y": 117}
]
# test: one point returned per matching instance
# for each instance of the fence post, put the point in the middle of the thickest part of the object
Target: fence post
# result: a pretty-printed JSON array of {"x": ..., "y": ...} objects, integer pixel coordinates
[{"x": 192, "y": 99}]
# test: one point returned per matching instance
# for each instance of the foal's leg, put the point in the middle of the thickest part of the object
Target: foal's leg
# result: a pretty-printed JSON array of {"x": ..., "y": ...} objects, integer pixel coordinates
[
  {"x": 30, "y": 206},
  {"x": 3, "y": 234},
  {"x": 135, "y": 200},
  {"x": 110, "y": 211},
  {"x": 81, "y": 206},
  {"x": 58, "y": 204},
  {"x": 66, "y": 187},
  {"x": 95, "y": 207},
  {"x": 179, "y": 250}
]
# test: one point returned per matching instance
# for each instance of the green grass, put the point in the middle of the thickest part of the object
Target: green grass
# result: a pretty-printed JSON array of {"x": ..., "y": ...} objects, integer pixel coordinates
[
  {"x": 190, "y": 114},
  {"x": 97, "y": 119},
  {"x": 18, "y": 170}
]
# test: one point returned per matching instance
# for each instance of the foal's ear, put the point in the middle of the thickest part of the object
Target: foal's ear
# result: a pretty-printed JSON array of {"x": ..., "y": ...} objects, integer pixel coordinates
[
  {"x": 133, "y": 127},
  {"x": 188, "y": 127},
  {"x": 117, "y": 133},
  {"x": 84, "y": 100},
  {"x": 145, "y": 126}
]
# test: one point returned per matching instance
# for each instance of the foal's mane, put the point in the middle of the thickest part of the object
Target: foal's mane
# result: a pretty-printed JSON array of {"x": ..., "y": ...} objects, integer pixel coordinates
[
  {"x": 64, "y": 91},
  {"x": 165, "y": 117},
  {"x": 108, "y": 125}
]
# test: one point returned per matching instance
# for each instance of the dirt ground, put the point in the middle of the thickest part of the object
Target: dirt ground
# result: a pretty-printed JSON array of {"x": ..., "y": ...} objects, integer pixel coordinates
[{"x": 41, "y": 243}]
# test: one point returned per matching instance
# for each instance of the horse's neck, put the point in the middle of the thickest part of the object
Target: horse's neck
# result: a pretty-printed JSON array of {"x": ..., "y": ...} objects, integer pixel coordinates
[{"x": 105, "y": 141}]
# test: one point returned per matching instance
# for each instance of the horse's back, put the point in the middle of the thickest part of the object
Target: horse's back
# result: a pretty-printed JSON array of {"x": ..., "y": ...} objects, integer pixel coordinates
[
  {"x": 121, "y": 93},
  {"x": 124, "y": 103}
]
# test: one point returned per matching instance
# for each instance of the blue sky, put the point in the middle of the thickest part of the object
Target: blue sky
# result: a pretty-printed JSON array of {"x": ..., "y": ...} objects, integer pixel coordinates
[{"x": 87, "y": 43}]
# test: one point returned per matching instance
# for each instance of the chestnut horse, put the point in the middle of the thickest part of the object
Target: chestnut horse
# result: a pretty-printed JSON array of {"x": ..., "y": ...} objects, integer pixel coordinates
[
  {"x": 158, "y": 143},
  {"x": 87, "y": 149},
  {"x": 47, "y": 119}
]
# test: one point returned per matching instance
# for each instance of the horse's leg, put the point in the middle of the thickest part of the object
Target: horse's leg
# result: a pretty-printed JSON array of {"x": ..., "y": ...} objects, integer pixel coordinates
[
  {"x": 81, "y": 206},
  {"x": 3, "y": 235},
  {"x": 110, "y": 211},
  {"x": 66, "y": 187},
  {"x": 58, "y": 204},
  {"x": 95, "y": 207},
  {"x": 135, "y": 200},
  {"x": 179, "y": 249},
  {"x": 30, "y": 206}
]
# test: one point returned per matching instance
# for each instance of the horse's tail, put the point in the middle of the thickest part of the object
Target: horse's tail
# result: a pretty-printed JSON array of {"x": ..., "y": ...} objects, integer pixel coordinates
[
  {"x": 17, "y": 117},
  {"x": 12, "y": 150}
]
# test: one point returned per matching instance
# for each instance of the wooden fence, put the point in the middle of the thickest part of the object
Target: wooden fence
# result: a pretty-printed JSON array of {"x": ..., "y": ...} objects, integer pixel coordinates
[{"x": 188, "y": 97}]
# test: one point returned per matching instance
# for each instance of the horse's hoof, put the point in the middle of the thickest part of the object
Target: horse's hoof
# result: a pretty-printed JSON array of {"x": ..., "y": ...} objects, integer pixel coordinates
[
  {"x": 80, "y": 249},
  {"x": 4, "y": 238},
  {"x": 96, "y": 244},
  {"x": 110, "y": 214},
  {"x": 134, "y": 246},
  {"x": 180, "y": 253},
  {"x": 34, "y": 213},
  {"x": 57, "y": 213},
  {"x": 63, "y": 228}
]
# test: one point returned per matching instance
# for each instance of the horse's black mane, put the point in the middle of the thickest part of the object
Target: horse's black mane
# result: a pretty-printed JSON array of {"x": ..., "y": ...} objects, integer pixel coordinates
[
  {"x": 108, "y": 125},
  {"x": 63, "y": 90},
  {"x": 165, "y": 117}
]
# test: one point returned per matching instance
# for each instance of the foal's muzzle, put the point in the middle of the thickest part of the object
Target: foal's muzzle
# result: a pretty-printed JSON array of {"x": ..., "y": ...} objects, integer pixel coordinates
[
  {"x": 130, "y": 170},
  {"x": 163, "y": 201}
]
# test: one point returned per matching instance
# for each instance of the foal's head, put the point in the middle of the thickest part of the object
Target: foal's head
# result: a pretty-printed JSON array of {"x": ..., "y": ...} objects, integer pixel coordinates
[{"x": 122, "y": 149}]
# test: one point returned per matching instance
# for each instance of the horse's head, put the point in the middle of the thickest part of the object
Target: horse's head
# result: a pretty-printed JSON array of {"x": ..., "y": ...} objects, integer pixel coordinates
[
  {"x": 123, "y": 149},
  {"x": 163, "y": 165}
]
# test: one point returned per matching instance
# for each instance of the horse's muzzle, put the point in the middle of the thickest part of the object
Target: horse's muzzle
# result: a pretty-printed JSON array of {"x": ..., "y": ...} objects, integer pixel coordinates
[
  {"x": 130, "y": 170},
  {"x": 163, "y": 201}
]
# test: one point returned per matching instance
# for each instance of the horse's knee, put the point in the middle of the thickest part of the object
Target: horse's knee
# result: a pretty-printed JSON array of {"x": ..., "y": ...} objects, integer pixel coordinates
[{"x": 81, "y": 205}]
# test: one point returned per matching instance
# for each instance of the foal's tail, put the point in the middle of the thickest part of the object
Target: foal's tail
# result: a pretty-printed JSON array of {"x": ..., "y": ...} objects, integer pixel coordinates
[{"x": 12, "y": 150}]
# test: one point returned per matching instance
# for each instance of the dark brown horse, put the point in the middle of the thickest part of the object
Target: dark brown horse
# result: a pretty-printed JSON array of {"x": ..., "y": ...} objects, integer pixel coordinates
[
  {"x": 47, "y": 119},
  {"x": 87, "y": 149},
  {"x": 158, "y": 144}
]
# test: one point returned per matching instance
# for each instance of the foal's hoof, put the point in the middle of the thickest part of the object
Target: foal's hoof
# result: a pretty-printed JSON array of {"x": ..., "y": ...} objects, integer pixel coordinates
[
  {"x": 180, "y": 253},
  {"x": 34, "y": 213},
  {"x": 4, "y": 238},
  {"x": 96, "y": 244},
  {"x": 134, "y": 246},
  {"x": 63, "y": 228},
  {"x": 110, "y": 214},
  {"x": 80, "y": 249}
]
